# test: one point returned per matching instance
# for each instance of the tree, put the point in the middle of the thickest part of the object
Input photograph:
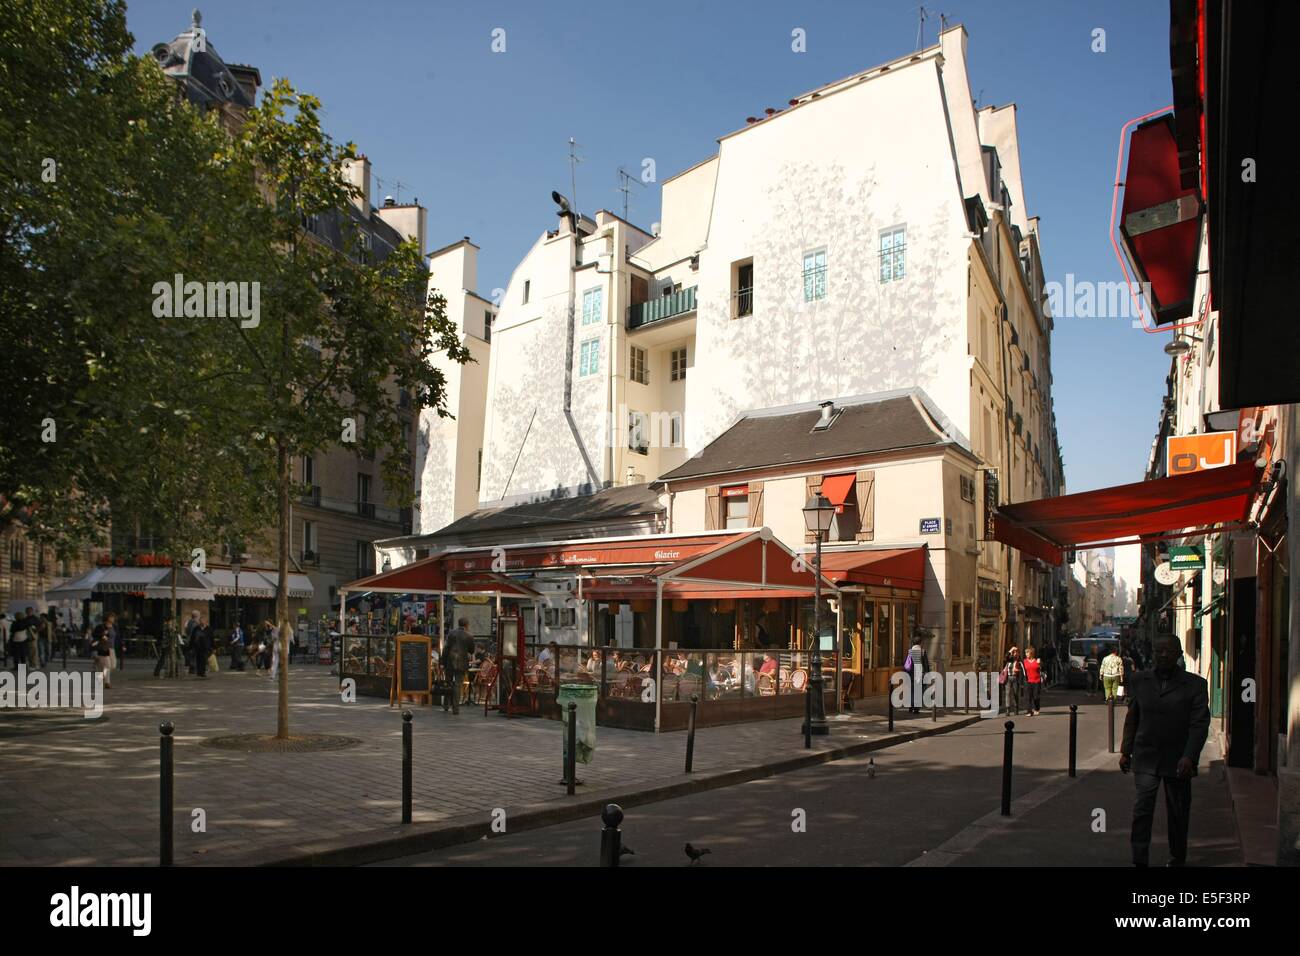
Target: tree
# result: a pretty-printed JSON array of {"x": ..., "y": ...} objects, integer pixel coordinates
[{"x": 338, "y": 335}]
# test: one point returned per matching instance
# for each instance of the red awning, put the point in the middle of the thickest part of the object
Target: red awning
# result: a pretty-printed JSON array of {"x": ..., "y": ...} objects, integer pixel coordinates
[
  {"x": 837, "y": 488},
  {"x": 887, "y": 567},
  {"x": 1188, "y": 504},
  {"x": 425, "y": 576}
]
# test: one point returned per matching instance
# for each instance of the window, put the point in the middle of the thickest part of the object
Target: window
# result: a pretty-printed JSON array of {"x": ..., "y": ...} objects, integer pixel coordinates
[
  {"x": 487, "y": 325},
  {"x": 637, "y": 439},
  {"x": 40, "y": 560},
  {"x": 16, "y": 554},
  {"x": 528, "y": 287},
  {"x": 478, "y": 475},
  {"x": 967, "y": 488},
  {"x": 678, "y": 365},
  {"x": 676, "y": 428},
  {"x": 893, "y": 249},
  {"x": 593, "y": 306},
  {"x": 637, "y": 366},
  {"x": 814, "y": 275},
  {"x": 364, "y": 506},
  {"x": 308, "y": 470},
  {"x": 308, "y": 541},
  {"x": 742, "y": 289},
  {"x": 954, "y": 633},
  {"x": 589, "y": 358},
  {"x": 365, "y": 559},
  {"x": 735, "y": 507}
]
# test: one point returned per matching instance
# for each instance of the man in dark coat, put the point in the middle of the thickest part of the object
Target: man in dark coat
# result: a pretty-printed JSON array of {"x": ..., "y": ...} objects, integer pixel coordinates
[
  {"x": 1167, "y": 723},
  {"x": 456, "y": 652}
]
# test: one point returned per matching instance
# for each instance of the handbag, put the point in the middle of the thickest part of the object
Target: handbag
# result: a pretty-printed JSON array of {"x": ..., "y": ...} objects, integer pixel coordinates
[
  {"x": 212, "y": 662},
  {"x": 1119, "y": 691},
  {"x": 1002, "y": 676},
  {"x": 907, "y": 663}
]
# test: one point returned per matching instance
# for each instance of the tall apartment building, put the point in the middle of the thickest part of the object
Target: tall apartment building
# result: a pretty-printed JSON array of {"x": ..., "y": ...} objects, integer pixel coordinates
[{"x": 871, "y": 235}]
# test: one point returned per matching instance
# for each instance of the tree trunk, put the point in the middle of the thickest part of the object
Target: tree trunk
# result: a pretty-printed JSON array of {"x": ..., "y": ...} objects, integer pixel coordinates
[{"x": 282, "y": 589}]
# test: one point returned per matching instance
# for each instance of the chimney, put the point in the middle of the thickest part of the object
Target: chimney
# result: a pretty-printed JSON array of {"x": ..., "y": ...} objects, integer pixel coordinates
[
  {"x": 828, "y": 409},
  {"x": 357, "y": 172}
]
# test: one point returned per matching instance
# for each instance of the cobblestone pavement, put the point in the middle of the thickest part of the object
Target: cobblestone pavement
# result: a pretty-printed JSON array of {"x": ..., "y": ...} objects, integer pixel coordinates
[{"x": 87, "y": 792}]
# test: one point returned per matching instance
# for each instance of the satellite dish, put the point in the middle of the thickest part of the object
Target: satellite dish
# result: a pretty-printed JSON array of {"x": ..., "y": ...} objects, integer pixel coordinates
[{"x": 1165, "y": 574}]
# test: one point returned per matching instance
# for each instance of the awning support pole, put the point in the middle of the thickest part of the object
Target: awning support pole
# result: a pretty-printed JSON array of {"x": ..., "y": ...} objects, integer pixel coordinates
[{"x": 659, "y": 644}]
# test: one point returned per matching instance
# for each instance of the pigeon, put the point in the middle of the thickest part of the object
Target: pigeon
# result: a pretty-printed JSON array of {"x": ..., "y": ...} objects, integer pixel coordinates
[
  {"x": 626, "y": 851},
  {"x": 871, "y": 767},
  {"x": 696, "y": 854}
]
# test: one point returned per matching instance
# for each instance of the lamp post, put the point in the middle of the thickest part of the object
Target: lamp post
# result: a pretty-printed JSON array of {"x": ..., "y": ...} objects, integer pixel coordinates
[
  {"x": 817, "y": 516},
  {"x": 234, "y": 567}
]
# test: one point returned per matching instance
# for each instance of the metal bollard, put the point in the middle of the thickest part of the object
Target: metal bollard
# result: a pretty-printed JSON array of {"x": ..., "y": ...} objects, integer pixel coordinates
[
  {"x": 1074, "y": 734},
  {"x": 1006, "y": 768},
  {"x": 890, "y": 698},
  {"x": 1110, "y": 724},
  {"x": 406, "y": 766},
  {"x": 611, "y": 837},
  {"x": 807, "y": 719},
  {"x": 166, "y": 793},
  {"x": 690, "y": 734},
  {"x": 571, "y": 755}
]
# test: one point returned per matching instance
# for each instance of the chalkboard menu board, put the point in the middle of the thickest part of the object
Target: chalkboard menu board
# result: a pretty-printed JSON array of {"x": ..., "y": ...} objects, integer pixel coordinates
[{"x": 412, "y": 675}]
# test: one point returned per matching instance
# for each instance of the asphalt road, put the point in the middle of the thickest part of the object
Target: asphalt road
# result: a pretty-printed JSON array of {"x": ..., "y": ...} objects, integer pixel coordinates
[{"x": 923, "y": 794}]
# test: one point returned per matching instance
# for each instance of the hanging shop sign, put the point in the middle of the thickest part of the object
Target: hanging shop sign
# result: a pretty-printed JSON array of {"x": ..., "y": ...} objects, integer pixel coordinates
[
  {"x": 1185, "y": 454},
  {"x": 1165, "y": 574},
  {"x": 1186, "y": 557}
]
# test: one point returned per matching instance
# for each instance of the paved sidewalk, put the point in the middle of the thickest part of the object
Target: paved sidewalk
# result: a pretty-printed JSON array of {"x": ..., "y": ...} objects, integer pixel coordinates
[{"x": 86, "y": 792}]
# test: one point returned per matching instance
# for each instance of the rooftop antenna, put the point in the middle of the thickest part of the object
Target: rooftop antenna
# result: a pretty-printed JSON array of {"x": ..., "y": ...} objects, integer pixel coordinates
[
  {"x": 626, "y": 180},
  {"x": 574, "y": 160},
  {"x": 920, "y": 25}
]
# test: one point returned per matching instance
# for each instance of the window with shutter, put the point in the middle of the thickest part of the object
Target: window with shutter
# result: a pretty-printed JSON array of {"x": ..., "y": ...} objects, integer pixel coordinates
[
  {"x": 756, "y": 504},
  {"x": 712, "y": 508},
  {"x": 814, "y": 483},
  {"x": 866, "y": 490}
]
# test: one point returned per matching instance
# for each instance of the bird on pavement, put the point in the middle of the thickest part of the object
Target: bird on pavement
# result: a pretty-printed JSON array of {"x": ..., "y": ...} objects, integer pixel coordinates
[
  {"x": 626, "y": 851},
  {"x": 696, "y": 854},
  {"x": 871, "y": 767}
]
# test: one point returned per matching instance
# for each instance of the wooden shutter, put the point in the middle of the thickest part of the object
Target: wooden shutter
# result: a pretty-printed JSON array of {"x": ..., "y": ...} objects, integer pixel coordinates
[
  {"x": 712, "y": 508},
  {"x": 814, "y": 483},
  {"x": 756, "y": 503},
  {"x": 866, "y": 492}
]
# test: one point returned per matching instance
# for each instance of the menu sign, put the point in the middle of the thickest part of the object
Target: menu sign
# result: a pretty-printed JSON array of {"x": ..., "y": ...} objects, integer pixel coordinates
[
  {"x": 413, "y": 674},
  {"x": 990, "y": 501}
]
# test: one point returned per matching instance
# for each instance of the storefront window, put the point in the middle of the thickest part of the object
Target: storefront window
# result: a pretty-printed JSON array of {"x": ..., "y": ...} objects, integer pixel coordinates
[
  {"x": 850, "y": 638},
  {"x": 827, "y": 624},
  {"x": 869, "y": 653},
  {"x": 884, "y": 634}
]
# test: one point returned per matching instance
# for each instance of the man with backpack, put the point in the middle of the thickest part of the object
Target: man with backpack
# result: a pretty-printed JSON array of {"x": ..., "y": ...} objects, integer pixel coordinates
[{"x": 456, "y": 652}]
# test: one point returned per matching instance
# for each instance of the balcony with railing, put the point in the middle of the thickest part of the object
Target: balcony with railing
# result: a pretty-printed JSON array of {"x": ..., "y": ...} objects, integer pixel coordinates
[{"x": 661, "y": 308}]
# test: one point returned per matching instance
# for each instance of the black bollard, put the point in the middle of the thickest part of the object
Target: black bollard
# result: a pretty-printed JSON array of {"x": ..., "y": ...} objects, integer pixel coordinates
[
  {"x": 571, "y": 755},
  {"x": 807, "y": 719},
  {"x": 1110, "y": 723},
  {"x": 1074, "y": 734},
  {"x": 406, "y": 766},
  {"x": 1006, "y": 768},
  {"x": 690, "y": 734},
  {"x": 611, "y": 837},
  {"x": 166, "y": 794},
  {"x": 890, "y": 698}
]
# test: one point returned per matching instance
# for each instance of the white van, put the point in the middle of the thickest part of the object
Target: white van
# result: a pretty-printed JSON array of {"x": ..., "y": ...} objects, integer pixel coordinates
[{"x": 1105, "y": 639}]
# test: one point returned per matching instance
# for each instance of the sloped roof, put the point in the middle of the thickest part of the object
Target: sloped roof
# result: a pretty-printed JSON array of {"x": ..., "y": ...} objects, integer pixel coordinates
[
  {"x": 624, "y": 501},
  {"x": 772, "y": 437}
]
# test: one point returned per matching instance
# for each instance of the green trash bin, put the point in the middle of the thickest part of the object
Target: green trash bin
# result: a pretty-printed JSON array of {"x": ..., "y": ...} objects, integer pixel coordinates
[{"x": 584, "y": 695}]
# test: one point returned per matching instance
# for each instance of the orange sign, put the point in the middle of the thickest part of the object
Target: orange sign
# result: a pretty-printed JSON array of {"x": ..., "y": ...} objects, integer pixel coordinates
[{"x": 1188, "y": 453}]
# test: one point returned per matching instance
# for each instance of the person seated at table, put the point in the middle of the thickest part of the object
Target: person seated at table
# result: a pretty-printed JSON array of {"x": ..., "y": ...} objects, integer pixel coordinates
[
  {"x": 592, "y": 666},
  {"x": 769, "y": 666}
]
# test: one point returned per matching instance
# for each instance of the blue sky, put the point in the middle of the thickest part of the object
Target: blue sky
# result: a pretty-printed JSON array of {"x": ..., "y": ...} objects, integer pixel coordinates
[{"x": 481, "y": 138}]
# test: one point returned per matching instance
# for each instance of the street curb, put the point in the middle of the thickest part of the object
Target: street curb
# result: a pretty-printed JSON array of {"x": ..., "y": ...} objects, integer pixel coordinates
[{"x": 376, "y": 846}]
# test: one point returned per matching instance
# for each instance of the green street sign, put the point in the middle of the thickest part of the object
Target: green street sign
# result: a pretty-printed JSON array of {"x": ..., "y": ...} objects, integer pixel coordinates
[{"x": 1184, "y": 558}]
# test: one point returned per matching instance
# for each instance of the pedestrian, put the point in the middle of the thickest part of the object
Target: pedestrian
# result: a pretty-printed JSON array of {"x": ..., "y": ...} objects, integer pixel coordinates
[
  {"x": 201, "y": 641},
  {"x": 920, "y": 666},
  {"x": 102, "y": 648},
  {"x": 118, "y": 637},
  {"x": 188, "y": 643},
  {"x": 1092, "y": 663},
  {"x": 456, "y": 651},
  {"x": 44, "y": 636},
  {"x": 1167, "y": 722},
  {"x": 1112, "y": 672},
  {"x": 1012, "y": 679},
  {"x": 20, "y": 637},
  {"x": 4, "y": 639},
  {"x": 237, "y": 648},
  {"x": 1033, "y": 668}
]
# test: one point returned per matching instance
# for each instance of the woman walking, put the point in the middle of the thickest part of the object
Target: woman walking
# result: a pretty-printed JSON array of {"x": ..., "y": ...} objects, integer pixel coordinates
[
  {"x": 1013, "y": 674},
  {"x": 1034, "y": 681},
  {"x": 103, "y": 649}
]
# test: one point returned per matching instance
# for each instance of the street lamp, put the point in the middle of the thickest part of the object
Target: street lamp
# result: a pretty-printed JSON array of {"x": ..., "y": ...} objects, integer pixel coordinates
[
  {"x": 817, "y": 515},
  {"x": 234, "y": 567}
]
